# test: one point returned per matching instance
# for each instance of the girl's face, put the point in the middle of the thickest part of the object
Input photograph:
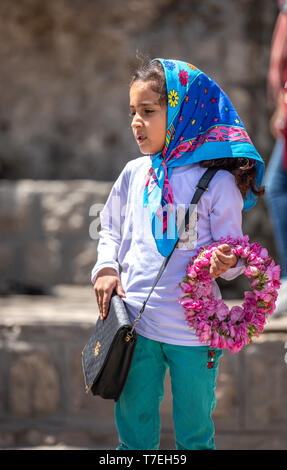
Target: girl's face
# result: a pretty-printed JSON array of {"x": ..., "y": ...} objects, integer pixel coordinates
[{"x": 149, "y": 118}]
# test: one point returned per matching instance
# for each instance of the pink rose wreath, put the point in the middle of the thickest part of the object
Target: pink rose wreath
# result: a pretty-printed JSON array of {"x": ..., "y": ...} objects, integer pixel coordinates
[{"x": 211, "y": 319}]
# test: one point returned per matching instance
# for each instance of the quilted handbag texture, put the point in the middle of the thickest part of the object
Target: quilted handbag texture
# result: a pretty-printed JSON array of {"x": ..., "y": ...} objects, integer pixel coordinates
[{"x": 107, "y": 356}]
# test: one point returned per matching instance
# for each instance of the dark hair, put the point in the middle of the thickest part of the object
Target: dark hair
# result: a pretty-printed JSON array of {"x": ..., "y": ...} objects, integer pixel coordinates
[
  {"x": 243, "y": 169},
  {"x": 152, "y": 72}
]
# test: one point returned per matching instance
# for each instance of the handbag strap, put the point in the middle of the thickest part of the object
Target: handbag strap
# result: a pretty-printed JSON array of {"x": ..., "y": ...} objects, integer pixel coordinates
[{"x": 201, "y": 187}]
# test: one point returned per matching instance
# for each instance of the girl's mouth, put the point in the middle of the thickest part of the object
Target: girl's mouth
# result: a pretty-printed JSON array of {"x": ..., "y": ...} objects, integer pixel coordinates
[{"x": 140, "y": 139}]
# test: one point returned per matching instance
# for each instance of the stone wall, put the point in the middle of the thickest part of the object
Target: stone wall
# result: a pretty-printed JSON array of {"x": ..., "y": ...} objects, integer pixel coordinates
[
  {"x": 45, "y": 232},
  {"x": 49, "y": 234},
  {"x": 66, "y": 66},
  {"x": 42, "y": 398},
  {"x": 64, "y": 125}
]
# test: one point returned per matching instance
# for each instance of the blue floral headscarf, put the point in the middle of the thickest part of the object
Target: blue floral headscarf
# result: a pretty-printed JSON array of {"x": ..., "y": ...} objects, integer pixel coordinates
[{"x": 202, "y": 124}]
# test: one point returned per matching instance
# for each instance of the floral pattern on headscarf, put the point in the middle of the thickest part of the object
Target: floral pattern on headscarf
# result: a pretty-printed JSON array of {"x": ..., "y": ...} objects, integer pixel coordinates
[{"x": 202, "y": 124}]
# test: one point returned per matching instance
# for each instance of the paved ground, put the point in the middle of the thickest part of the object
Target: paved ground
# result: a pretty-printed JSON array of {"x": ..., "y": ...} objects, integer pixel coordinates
[
  {"x": 68, "y": 303},
  {"x": 72, "y": 304}
]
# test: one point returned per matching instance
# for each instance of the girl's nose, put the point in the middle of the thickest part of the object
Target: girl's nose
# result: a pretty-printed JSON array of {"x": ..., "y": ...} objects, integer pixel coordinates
[{"x": 137, "y": 121}]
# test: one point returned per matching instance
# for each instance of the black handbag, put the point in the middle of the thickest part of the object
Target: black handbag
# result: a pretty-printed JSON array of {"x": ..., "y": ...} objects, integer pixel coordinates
[{"x": 107, "y": 356}]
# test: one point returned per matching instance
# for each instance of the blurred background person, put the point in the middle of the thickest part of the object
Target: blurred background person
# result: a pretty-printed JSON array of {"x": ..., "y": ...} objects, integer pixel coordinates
[{"x": 276, "y": 174}]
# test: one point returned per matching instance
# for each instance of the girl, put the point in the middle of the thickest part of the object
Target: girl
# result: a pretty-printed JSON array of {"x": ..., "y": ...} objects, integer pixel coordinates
[{"x": 182, "y": 122}]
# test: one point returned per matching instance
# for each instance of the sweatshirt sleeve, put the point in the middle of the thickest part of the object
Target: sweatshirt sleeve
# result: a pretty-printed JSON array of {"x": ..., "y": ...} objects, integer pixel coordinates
[
  {"x": 226, "y": 215},
  {"x": 112, "y": 218}
]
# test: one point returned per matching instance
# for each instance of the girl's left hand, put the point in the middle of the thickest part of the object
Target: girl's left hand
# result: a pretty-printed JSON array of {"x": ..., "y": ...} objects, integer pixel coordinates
[{"x": 221, "y": 260}]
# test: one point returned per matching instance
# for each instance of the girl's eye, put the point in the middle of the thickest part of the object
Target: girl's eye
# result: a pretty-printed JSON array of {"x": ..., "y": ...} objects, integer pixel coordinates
[{"x": 146, "y": 111}]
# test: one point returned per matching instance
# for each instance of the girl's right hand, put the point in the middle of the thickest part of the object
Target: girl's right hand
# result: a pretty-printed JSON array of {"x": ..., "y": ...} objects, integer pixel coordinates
[{"x": 107, "y": 281}]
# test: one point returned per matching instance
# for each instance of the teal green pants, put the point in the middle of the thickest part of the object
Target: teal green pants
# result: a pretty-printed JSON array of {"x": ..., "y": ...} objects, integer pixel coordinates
[{"x": 193, "y": 372}]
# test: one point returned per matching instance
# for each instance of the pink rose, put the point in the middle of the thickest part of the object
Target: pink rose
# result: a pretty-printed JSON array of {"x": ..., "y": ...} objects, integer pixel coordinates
[
  {"x": 205, "y": 334},
  {"x": 191, "y": 272},
  {"x": 266, "y": 297},
  {"x": 245, "y": 252},
  {"x": 236, "y": 314},
  {"x": 251, "y": 271},
  {"x": 238, "y": 250},
  {"x": 276, "y": 273},
  {"x": 256, "y": 247},
  {"x": 186, "y": 287},
  {"x": 264, "y": 253},
  {"x": 216, "y": 341},
  {"x": 202, "y": 262},
  {"x": 252, "y": 257},
  {"x": 222, "y": 310}
]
